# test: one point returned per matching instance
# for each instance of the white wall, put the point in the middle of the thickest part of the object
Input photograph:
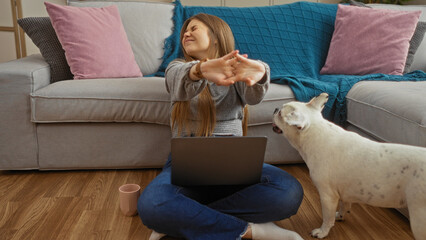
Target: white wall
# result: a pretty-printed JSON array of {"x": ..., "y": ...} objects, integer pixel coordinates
[
  {"x": 7, "y": 39},
  {"x": 30, "y": 8},
  {"x": 35, "y": 8}
]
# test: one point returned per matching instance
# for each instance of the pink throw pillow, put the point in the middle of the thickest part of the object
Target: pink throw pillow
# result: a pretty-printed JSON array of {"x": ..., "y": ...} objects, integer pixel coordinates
[
  {"x": 94, "y": 40},
  {"x": 367, "y": 41}
]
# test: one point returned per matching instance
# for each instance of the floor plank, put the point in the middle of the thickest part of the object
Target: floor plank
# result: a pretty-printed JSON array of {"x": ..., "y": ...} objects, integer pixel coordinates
[{"x": 84, "y": 205}]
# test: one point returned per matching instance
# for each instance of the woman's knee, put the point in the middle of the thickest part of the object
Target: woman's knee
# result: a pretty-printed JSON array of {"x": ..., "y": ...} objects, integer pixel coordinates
[
  {"x": 289, "y": 196},
  {"x": 155, "y": 203},
  {"x": 288, "y": 203},
  {"x": 295, "y": 197},
  {"x": 146, "y": 209}
]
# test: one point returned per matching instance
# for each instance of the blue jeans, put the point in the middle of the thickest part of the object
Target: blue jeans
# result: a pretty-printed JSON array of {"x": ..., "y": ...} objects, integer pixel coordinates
[{"x": 212, "y": 213}]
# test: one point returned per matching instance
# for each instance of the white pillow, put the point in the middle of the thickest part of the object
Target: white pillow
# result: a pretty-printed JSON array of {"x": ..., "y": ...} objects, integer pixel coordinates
[{"x": 147, "y": 25}]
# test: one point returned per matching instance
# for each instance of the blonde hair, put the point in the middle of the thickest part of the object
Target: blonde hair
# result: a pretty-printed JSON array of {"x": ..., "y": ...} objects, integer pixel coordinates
[{"x": 221, "y": 43}]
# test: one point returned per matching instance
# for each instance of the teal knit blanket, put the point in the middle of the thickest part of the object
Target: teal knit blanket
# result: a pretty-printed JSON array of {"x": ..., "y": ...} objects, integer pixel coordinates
[{"x": 294, "y": 40}]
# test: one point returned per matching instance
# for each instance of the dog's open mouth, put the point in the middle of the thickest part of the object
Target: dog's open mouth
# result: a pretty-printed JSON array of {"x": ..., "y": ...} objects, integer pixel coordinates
[{"x": 276, "y": 128}]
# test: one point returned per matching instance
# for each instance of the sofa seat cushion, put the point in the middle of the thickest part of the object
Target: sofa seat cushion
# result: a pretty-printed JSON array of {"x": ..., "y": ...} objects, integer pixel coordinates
[
  {"x": 275, "y": 97},
  {"x": 389, "y": 111},
  {"x": 127, "y": 100},
  {"x": 102, "y": 100}
]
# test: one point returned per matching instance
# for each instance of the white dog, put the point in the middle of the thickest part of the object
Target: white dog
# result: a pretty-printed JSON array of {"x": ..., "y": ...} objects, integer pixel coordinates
[{"x": 347, "y": 167}]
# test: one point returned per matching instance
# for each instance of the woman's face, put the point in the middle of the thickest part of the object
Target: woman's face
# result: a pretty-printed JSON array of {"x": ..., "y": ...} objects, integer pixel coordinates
[{"x": 196, "y": 40}]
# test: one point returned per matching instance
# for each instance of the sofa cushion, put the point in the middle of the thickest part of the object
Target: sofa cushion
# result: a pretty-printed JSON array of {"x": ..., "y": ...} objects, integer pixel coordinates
[
  {"x": 147, "y": 25},
  {"x": 41, "y": 32},
  {"x": 275, "y": 97},
  {"x": 415, "y": 41},
  {"x": 389, "y": 111},
  {"x": 102, "y": 100},
  {"x": 357, "y": 46},
  {"x": 419, "y": 62},
  {"x": 127, "y": 100},
  {"x": 94, "y": 40}
]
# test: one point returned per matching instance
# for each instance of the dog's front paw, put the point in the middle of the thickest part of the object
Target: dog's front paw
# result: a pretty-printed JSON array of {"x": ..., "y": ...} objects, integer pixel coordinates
[{"x": 319, "y": 233}]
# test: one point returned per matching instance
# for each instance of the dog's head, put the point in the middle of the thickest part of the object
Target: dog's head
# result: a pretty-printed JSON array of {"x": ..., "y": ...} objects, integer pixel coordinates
[{"x": 296, "y": 117}]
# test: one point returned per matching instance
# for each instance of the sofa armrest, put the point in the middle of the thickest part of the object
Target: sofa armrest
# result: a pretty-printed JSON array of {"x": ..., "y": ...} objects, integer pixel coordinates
[
  {"x": 32, "y": 71},
  {"x": 18, "y": 141}
]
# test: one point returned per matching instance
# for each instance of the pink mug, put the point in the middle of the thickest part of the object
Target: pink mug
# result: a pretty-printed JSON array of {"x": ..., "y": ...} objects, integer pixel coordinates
[{"x": 129, "y": 194}]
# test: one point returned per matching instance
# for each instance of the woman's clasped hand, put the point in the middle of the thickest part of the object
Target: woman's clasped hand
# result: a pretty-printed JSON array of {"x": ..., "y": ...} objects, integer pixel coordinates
[{"x": 231, "y": 68}]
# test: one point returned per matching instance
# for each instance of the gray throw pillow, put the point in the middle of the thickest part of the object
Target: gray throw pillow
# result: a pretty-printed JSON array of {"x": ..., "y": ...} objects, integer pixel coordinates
[
  {"x": 358, "y": 4},
  {"x": 415, "y": 41},
  {"x": 42, "y": 33}
]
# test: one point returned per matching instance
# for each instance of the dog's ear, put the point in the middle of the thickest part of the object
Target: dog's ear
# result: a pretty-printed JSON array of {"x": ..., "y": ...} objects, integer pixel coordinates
[
  {"x": 319, "y": 101},
  {"x": 297, "y": 119}
]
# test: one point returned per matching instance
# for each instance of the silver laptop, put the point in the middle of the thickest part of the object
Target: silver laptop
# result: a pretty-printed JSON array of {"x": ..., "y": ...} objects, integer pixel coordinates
[{"x": 208, "y": 161}]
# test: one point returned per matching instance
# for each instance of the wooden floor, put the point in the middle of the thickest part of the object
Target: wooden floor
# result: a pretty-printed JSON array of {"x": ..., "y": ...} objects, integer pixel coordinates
[{"x": 84, "y": 205}]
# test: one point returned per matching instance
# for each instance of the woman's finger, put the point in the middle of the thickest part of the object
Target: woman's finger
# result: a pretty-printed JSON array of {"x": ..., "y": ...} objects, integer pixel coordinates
[
  {"x": 250, "y": 82},
  {"x": 232, "y": 61},
  {"x": 224, "y": 82},
  {"x": 241, "y": 58},
  {"x": 228, "y": 73},
  {"x": 232, "y": 79},
  {"x": 230, "y": 55}
]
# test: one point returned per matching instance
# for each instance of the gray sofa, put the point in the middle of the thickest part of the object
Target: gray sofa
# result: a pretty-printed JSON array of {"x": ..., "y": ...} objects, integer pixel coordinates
[
  {"x": 391, "y": 111},
  {"x": 124, "y": 123}
]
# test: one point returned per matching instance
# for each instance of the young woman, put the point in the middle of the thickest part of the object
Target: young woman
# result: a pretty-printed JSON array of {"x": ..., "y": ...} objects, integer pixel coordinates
[{"x": 209, "y": 90}]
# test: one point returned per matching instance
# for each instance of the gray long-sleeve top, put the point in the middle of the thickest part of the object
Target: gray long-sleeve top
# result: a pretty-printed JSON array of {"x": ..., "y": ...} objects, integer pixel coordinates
[{"x": 229, "y": 100}]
